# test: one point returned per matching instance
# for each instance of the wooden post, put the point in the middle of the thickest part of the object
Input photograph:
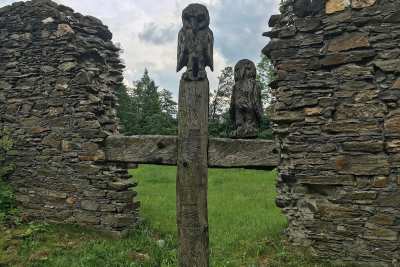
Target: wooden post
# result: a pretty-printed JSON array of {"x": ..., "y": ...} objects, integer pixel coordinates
[{"x": 192, "y": 176}]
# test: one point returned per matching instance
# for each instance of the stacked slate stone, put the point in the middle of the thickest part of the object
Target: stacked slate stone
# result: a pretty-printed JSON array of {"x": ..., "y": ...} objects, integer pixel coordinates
[
  {"x": 58, "y": 75},
  {"x": 337, "y": 122}
]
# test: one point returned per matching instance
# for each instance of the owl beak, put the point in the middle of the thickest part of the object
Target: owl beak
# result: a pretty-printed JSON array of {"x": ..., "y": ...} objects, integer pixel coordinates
[{"x": 193, "y": 24}]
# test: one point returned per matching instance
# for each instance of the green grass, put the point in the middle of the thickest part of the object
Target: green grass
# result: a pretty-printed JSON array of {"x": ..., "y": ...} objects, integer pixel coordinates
[
  {"x": 243, "y": 217},
  {"x": 245, "y": 228},
  {"x": 71, "y": 246}
]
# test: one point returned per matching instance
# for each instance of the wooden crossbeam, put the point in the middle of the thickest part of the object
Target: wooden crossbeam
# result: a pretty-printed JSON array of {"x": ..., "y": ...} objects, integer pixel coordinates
[{"x": 222, "y": 152}]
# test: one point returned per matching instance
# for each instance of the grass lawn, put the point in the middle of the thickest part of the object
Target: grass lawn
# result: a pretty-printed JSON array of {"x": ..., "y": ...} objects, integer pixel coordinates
[
  {"x": 243, "y": 217},
  {"x": 245, "y": 228}
]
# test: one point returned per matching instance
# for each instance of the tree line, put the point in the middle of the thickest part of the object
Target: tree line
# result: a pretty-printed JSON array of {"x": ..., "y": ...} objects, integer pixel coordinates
[
  {"x": 147, "y": 109},
  {"x": 144, "y": 109}
]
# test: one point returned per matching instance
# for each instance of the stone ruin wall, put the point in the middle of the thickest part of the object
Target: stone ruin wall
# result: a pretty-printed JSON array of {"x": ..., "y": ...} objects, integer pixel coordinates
[
  {"x": 337, "y": 122},
  {"x": 58, "y": 75}
]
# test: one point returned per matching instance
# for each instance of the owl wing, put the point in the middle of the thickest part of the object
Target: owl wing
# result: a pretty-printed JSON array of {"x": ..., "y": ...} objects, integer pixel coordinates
[
  {"x": 182, "y": 55},
  {"x": 210, "y": 50}
]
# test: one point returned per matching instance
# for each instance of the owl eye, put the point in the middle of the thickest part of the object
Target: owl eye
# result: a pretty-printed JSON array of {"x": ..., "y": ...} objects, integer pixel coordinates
[{"x": 200, "y": 18}]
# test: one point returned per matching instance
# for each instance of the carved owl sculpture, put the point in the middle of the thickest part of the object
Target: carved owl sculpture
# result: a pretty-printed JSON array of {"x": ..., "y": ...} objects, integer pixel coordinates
[
  {"x": 246, "y": 105},
  {"x": 195, "y": 43}
]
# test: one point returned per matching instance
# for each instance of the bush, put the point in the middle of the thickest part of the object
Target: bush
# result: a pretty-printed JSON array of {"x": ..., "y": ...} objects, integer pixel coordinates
[
  {"x": 6, "y": 201},
  {"x": 7, "y": 206}
]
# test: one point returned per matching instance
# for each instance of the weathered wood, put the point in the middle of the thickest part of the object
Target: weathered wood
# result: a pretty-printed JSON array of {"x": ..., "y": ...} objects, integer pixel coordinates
[
  {"x": 151, "y": 149},
  {"x": 222, "y": 152},
  {"x": 192, "y": 174},
  {"x": 233, "y": 153}
]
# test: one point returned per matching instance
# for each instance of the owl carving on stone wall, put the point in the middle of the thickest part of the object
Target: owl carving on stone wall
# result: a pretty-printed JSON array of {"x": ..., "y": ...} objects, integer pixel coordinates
[{"x": 195, "y": 43}]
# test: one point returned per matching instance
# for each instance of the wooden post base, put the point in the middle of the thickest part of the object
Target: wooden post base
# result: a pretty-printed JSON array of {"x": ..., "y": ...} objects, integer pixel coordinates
[{"x": 192, "y": 176}]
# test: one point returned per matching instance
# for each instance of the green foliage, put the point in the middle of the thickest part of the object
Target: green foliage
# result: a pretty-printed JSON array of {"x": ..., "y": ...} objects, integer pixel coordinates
[
  {"x": 5, "y": 146},
  {"x": 220, "y": 128},
  {"x": 283, "y": 6},
  {"x": 6, "y": 201},
  {"x": 44, "y": 245},
  {"x": 265, "y": 128},
  {"x": 265, "y": 75},
  {"x": 219, "y": 124},
  {"x": 146, "y": 110},
  {"x": 7, "y": 205},
  {"x": 220, "y": 101}
]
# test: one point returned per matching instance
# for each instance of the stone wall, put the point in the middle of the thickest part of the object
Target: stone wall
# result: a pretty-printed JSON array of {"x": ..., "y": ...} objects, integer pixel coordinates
[
  {"x": 337, "y": 121},
  {"x": 58, "y": 75}
]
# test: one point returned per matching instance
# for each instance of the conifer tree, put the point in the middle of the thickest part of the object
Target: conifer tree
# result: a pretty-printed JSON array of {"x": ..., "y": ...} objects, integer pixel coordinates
[{"x": 146, "y": 110}]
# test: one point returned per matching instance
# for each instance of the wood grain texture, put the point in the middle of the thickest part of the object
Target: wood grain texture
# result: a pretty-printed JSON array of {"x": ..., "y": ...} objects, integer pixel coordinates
[
  {"x": 234, "y": 153},
  {"x": 150, "y": 149},
  {"x": 192, "y": 174},
  {"x": 222, "y": 152}
]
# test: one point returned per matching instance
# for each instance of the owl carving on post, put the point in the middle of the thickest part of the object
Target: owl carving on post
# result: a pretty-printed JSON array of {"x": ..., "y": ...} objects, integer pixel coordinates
[
  {"x": 246, "y": 105},
  {"x": 195, "y": 43}
]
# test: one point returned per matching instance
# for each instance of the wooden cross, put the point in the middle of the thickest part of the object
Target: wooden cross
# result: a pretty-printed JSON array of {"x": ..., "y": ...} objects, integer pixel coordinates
[
  {"x": 192, "y": 151},
  {"x": 220, "y": 152},
  {"x": 163, "y": 150}
]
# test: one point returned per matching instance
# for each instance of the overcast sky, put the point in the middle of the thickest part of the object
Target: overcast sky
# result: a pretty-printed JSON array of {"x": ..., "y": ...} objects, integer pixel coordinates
[{"x": 147, "y": 31}]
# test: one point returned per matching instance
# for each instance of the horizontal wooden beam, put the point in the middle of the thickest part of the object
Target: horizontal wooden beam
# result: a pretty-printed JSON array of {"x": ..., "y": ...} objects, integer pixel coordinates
[{"x": 222, "y": 152}]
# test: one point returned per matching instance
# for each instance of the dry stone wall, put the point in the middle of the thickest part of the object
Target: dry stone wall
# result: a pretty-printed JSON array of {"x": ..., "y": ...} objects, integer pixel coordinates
[
  {"x": 337, "y": 122},
  {"x": 58, "y": 75}
]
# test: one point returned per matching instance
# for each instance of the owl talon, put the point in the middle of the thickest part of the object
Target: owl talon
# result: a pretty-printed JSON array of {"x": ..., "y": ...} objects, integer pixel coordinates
[
  {"x": 202, "y": 75},
  {"x": 188, "y": 76}
]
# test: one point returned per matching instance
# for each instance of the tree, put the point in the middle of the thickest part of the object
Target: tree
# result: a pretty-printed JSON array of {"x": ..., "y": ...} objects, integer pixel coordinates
[
  {"x": 265, "y": 75},
  {"x": 146, "y": 110},
  {"x": 221, "y": 99},
  {"x": 168, "y": 105},
  {"x": 124, "y": 109},
  {"x": 169, "y": 110},
  {"x": 219, "y": 124}
]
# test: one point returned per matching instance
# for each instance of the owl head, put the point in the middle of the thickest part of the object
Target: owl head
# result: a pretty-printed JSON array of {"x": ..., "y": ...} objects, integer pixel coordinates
[
  {"x": 195, "y": 17},
  {"x": 245, "y": 69}
]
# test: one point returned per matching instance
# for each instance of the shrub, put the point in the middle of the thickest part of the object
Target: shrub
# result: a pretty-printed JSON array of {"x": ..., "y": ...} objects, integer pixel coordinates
[{"x": 7, "y": 206}]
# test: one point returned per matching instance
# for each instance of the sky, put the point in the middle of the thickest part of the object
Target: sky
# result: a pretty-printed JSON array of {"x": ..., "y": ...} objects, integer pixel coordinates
[{"x": 147, "y": 31}]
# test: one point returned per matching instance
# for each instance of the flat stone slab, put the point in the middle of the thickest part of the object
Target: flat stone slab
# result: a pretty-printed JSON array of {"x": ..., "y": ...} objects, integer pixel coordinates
[{"x": 162, "y": 150}]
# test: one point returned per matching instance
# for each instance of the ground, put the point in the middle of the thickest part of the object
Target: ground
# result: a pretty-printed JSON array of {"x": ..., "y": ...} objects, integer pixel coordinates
[{"x": 245, "y": 228}]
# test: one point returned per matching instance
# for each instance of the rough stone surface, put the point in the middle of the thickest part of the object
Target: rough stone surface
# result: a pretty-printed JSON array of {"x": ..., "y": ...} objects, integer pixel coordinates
[
  {"x": 333, "y": 6},
  {"x": 303, "y": 8},
  {"x": 337, "y": 122},
  {"x": 58, "y": 78},
  {"x": 348, "y": 41},
  {"x": 362, "y": 3}
]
